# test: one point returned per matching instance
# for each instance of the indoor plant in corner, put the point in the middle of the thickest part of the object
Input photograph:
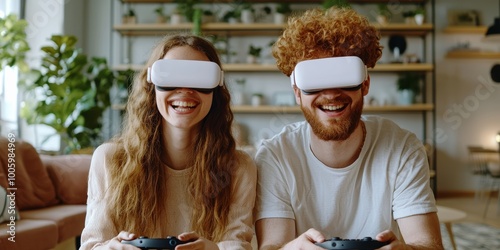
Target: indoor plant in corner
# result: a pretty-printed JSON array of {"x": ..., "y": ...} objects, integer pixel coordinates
[{"x": 70, "y": 94}]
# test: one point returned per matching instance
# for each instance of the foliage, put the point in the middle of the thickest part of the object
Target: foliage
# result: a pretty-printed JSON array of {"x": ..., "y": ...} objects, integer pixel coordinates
[
  {"x": 384, "y": 10},
  {"x": 230, "y": 14},
  {"x": 283, "y": 8},
  {"x": 254, "y": 51},
  {"x": 72, "y": 94},
  {"x": 409, "y": 13},
  {"x": 420, "y": 10},
  {"x": 187, "y": 8},
  {"x": 409, "y": 81},
  {"x": 339, "y": 3},
  {"x": 159, "y": 11},
  {"x": 130, "y": 13},
  {"x": 13, "y": 44}
]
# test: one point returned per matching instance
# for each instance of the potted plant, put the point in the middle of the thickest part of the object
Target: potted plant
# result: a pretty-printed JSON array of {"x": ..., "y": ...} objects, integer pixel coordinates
[
  {"x": 282, "y": 10},
  {"x": 383, "y": 13},
  {"x": 246, "y": 12},
  {"x": 338, "y": 3},
  {"x": 408, "y": 86},
  {"x": 13, "y": 42},
  {"x": 160, "y": 16},
  {"x": 238, "y": 92},
  {"x": 253, "y": 53},
  {"x": 129, "y": 17},
  {"x": 257, "y": 99},
  {"x": 71, "y": 94},
  {"x": 409, "y": 16},
  {"x": 208, "y": 16},
  {"x": 419, "y": 15},
  {"x": 187, "y": 8},
  {"x": 231, "y": 16}
]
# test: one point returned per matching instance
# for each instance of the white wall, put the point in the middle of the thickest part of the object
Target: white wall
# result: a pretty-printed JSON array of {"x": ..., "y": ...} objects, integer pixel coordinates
[{"x": 468, "y": 101}]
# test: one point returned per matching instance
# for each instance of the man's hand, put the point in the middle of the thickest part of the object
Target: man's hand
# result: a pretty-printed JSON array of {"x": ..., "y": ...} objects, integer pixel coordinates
[
  {"x": 394, "y": 242},
  {"x": 195, "y": 242}
]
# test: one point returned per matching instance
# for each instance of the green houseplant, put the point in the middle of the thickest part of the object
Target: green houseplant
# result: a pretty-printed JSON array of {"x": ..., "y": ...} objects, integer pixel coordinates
[
  {"x": 383, "y": 13},
  {"x": 160, "y": 15},
  {"x": 71, "y": 94},
  {"x": 408, "y": 85},
  {"x": 253, "y": 53},
  {"x": 339, "y": 3},
  {"x": 187, "y": 8},
  {"x": 13, "y": 44}
]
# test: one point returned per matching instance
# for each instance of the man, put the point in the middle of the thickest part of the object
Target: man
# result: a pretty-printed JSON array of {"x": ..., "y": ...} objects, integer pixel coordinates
[{"x": 340, "y": 174}]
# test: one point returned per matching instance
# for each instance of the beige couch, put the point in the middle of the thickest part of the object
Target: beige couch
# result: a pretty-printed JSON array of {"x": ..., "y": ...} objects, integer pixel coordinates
[{"x": 50, "y": 196}]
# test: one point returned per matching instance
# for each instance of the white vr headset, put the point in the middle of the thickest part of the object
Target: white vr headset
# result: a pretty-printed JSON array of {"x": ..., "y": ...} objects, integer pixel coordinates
[
  {"x": 168, "y": 74},
  {"x": 328, "y": 73}
]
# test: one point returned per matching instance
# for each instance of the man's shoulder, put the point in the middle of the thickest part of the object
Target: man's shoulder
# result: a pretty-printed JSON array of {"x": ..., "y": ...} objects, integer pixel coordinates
[{"x": 290, "y": 132}]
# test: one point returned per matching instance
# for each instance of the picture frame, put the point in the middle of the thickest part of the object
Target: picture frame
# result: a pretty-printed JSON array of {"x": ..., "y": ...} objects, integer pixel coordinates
[{"x": 463, "y": 18}]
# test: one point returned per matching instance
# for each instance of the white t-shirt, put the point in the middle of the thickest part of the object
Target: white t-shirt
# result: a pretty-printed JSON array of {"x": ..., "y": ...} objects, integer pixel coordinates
[{"x": 390, "y": 180}]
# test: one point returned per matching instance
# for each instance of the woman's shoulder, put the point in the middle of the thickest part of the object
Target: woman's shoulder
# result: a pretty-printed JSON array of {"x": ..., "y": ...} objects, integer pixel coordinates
[
  {"x": 103, "y": 153},
  {"x": 246, "y": 165}
]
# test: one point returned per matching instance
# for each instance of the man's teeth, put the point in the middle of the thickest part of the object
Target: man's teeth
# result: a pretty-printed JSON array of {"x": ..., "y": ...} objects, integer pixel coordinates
[
  {"x": 183, "y": 104},
  {"x": 332, "y": 107}
]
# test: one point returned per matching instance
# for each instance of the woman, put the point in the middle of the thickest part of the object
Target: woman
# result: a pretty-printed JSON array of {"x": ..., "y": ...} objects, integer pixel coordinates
[{"x": 174, "y": 170}]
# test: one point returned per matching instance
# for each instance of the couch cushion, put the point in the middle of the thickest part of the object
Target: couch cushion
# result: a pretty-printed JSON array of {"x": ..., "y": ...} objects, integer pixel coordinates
[
  {"x": 70, "y": 219},
  {"x": 8, "y": 209},
  {"x": 69, "y": 174},
  {"x": 30, "y": 234},
  {"x": 34, "y": 187}
]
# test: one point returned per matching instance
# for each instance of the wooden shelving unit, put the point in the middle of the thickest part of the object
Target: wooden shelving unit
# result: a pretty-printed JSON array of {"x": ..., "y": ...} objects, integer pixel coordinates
[
  {"x": 241, "y": 29},
  {"x": 465, "y": 54},
  {"x": 465, "y": 29}
]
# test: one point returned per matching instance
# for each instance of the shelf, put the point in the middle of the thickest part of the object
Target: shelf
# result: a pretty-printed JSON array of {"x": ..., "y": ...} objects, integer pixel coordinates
[
  {"x": 243, "y": 67},
  {"x": 267, "y": 109},
  {"x": 473, "y": 54},
  {"x": 465, "y": 29},
  {"x": 241, "y": 29}
]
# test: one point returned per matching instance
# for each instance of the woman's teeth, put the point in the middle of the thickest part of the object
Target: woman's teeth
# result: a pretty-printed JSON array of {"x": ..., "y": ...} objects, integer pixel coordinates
[{"x": 182, "y": 105}]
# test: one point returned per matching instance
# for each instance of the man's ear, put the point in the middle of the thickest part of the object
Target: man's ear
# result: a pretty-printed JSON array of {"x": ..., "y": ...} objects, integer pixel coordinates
[
  {"x": 366, "y": 86},
  {"x": 296, "y": 92}
]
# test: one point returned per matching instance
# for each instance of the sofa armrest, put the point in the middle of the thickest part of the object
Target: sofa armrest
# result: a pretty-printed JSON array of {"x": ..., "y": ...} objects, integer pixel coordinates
[{"x": 69, "y": 174}]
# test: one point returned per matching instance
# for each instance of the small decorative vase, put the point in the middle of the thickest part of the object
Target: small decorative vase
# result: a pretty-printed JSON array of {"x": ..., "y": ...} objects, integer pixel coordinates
[
  {"x": 405, "y": 97},
  {"x": 419, "y": 19}
]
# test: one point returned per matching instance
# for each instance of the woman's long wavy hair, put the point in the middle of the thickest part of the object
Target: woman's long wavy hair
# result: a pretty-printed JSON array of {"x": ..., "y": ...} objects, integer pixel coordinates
[
  {"x": 332, "y": 32},
  {"x": 137, "y": 191}
]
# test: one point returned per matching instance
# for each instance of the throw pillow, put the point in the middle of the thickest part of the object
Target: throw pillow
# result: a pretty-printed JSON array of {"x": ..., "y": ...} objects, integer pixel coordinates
[{"x": 6, "y": 212}]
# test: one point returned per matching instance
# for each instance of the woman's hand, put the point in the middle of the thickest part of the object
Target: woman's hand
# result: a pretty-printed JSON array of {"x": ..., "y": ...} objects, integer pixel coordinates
[
  {"x": 195, "y": 242},
  {"x": 116, "y": 242}
]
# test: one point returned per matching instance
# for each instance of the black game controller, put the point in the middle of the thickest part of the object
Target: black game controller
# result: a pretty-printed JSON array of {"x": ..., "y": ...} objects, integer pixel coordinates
[
  {"x": 159, "y": 243},
  {"x": 361, "y": 244}
]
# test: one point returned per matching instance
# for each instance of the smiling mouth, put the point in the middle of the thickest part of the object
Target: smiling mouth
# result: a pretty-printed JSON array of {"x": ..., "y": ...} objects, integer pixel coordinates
[
  {"x": 183, "y": 106},
  {"x": 332, "y": 108}
]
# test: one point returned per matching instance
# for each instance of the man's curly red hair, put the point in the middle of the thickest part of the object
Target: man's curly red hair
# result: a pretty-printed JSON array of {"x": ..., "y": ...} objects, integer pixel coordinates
[{"x": 327, "y": 33}]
